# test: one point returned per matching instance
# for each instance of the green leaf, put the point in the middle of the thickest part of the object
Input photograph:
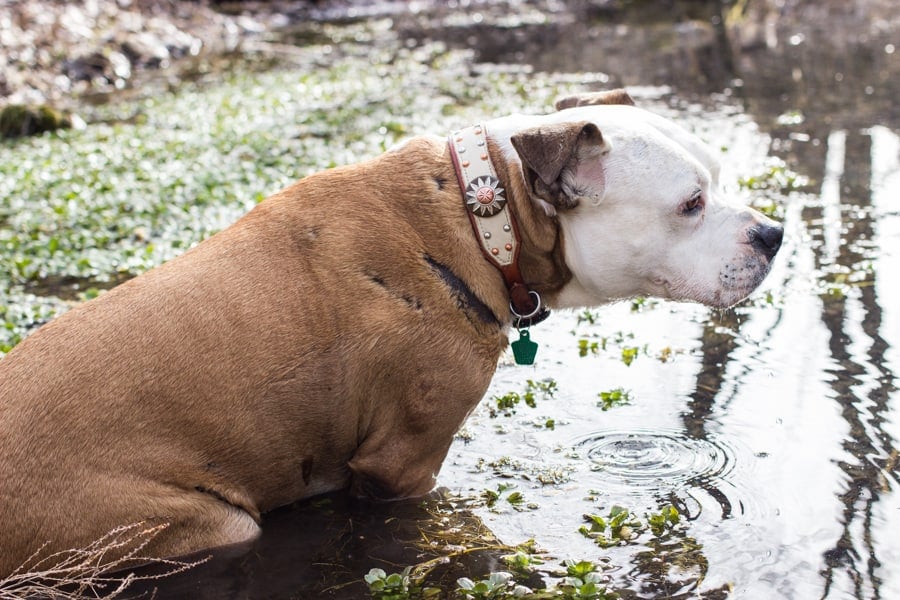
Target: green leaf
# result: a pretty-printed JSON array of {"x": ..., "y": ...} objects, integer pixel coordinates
[
  {"x": 629, "y": 353},
  {"x": 579, "y": 569},
  {"x": 464, "y": 583},
  {"x": 374, "y": 575}
]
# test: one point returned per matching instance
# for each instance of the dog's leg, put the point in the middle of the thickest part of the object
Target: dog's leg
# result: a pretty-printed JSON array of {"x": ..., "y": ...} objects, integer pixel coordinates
[
  {"x": 199, "y": 520},
  {"x": 400, "y": 456},
  {"x": 214, "y": 527}
]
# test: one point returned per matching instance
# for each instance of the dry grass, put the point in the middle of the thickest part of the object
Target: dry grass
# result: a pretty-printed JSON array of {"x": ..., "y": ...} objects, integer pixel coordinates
[{"x": 99, "y": 570}]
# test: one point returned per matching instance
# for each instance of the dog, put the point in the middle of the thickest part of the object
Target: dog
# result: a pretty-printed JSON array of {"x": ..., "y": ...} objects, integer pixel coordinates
[{"x": 338, "y": 335}]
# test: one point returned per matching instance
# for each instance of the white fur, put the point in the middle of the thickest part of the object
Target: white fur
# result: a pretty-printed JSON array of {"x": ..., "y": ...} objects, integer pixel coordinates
[{"x": 628, "y": 237}]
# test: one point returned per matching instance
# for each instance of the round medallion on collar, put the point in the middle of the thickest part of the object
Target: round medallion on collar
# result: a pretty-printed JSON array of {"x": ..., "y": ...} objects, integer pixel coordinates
[{"x": 485, "y": 197}]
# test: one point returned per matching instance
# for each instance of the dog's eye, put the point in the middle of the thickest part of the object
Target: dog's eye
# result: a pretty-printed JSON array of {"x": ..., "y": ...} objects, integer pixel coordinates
[{"x": 694, "y": 204}]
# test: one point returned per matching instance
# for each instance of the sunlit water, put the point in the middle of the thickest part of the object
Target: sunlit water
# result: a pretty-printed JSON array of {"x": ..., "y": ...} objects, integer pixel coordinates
[{"x": 771, "y": 427}]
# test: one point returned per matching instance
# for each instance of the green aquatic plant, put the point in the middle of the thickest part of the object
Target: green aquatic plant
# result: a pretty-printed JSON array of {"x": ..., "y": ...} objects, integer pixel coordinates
[
  {"x": 586, "y": 346},
  {"x": 620, "y": 526},
  {"x": 497, "y": 586},
  {"x": 522, "y": 562},
  {"x": 589, "y": 316},
  {"x": 397, "y": 586},
  {"x": 583, "y": 580},
  {"x": 629, "y": 353},
  {"x": 774, "y": 176},
  {"x": 505, "y": 492},
  {"x": 21, "y": 313},
  {"x": 506, "y": 404},
  {"x": 664, "y": 520},
  {"x": 615, "y": 397},
  {"x": 641, "y": 303}
]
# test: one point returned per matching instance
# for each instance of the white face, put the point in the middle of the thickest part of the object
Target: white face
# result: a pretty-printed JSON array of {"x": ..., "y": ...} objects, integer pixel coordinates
[{"x": 651, "y": 220}]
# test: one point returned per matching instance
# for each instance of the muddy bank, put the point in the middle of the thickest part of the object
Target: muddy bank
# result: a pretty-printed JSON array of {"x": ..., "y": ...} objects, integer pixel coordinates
[{"x": 63, "y": 53}]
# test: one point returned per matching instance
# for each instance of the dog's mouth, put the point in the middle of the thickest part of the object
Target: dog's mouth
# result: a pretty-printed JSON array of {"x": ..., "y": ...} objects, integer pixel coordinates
[{"x": 736, "y": 281}]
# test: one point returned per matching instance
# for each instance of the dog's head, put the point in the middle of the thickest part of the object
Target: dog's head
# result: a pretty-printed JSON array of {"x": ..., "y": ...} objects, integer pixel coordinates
[{"x": 639, "y": 205}]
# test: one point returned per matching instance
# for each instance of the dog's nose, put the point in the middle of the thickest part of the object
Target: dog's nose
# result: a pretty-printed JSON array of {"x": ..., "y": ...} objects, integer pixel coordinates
[{"x": 766, "y": 238}]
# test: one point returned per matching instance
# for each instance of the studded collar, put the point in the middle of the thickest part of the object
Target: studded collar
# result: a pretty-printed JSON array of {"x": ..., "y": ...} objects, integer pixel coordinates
[{"x": 493, "y": 220}]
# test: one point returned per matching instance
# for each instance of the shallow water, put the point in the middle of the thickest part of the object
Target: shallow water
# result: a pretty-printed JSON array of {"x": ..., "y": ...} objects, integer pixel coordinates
[{"x": 771, "y": 427}]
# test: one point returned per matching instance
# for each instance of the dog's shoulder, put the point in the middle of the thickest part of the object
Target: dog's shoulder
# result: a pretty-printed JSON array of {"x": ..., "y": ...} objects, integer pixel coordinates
[{"x": 429, "y": 144}]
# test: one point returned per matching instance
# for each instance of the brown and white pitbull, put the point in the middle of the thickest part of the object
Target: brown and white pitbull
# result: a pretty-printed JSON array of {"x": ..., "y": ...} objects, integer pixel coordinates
[{"x": 339, "y": 333}]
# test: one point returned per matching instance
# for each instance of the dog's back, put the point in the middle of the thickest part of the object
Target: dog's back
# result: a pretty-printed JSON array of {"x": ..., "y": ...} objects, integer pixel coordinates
[{"x": 245, "y": 374}]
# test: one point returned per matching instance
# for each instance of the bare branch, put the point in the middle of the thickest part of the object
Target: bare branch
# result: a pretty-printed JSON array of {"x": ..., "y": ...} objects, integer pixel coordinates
[{"x": 75, "y": 573}]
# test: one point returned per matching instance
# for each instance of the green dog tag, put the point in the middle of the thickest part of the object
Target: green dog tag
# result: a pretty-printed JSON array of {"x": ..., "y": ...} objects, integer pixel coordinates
[{"x": 524, "y": 350}]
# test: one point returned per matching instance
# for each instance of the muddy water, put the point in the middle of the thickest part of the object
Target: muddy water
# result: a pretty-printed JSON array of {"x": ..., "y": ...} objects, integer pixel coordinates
[{"x": 771, "y": 427}]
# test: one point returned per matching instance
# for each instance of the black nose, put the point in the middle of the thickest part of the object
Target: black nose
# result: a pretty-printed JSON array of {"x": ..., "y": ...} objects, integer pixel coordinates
[{"x": 766, "y": 238}]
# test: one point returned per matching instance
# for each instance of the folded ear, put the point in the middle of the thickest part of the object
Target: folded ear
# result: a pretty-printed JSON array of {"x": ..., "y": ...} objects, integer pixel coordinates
[
  {"x": 561, "y": 162},
  {"x": 617, "y": 96}
]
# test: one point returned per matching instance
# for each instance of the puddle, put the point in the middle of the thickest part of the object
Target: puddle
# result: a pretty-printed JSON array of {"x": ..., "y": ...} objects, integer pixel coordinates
[
  {"x": 320, "y": 549},
  {"x": 771, "y": 427}
]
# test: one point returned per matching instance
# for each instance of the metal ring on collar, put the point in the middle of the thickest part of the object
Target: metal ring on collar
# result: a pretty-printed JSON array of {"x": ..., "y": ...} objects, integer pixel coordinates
[{"x": 537, "y": 308}]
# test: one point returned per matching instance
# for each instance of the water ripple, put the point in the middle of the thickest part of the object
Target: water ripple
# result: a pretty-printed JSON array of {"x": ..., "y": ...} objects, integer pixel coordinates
[{"x": 666, "y": 465}]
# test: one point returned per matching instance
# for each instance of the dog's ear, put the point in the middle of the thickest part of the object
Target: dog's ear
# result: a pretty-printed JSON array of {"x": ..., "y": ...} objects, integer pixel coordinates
[
  {"x": 617, "y": 96},
  {"x": 561, "y": 163}
]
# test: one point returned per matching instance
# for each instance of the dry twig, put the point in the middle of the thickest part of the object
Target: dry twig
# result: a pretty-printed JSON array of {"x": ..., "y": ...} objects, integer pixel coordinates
[{"x": 89, "y": 571}]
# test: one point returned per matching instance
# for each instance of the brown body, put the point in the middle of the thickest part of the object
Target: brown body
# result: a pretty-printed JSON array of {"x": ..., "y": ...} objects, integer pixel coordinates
[
  {"x": 339, "y": 333},
  {"x": 348, "y": 323}
]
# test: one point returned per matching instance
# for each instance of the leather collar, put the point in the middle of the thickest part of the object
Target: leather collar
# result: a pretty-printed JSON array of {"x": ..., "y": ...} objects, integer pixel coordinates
[{"x": 493, "y": 221}]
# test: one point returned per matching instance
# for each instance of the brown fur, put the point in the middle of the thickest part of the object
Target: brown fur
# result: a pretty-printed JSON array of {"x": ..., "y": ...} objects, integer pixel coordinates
[{"x": 310, "y": 346}]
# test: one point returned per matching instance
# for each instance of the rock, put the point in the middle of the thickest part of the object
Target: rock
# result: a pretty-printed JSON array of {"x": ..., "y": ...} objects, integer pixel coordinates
[
  {"x": 17, "y": 120},
  {"x": 51, "y": 51},
  {"x": 100, "y": 68}
]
